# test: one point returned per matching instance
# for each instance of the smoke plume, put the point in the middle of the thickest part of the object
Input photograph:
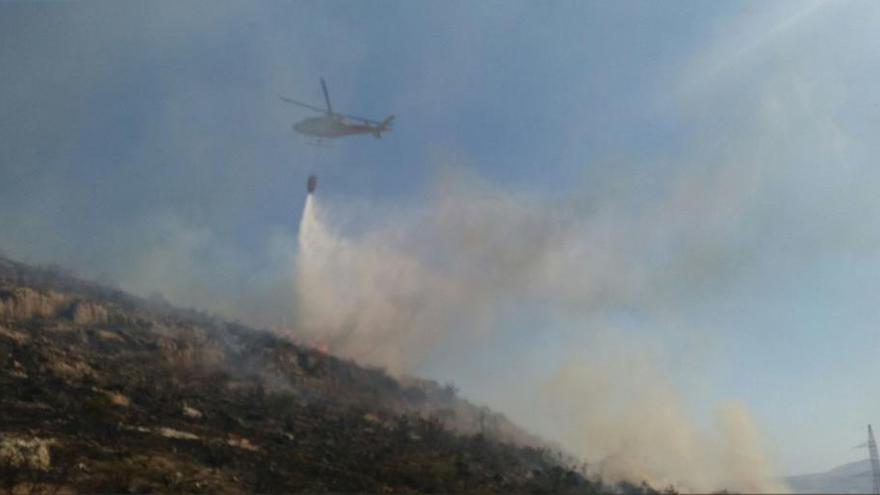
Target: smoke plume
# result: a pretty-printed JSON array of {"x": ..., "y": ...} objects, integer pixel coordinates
[
  {"x": 622, "y": 410},
  {"x": 447, "y": 276}
]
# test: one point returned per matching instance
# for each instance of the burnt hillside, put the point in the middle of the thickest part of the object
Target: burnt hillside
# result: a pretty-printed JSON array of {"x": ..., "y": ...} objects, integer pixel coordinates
[{"x": 105, "y": 392}]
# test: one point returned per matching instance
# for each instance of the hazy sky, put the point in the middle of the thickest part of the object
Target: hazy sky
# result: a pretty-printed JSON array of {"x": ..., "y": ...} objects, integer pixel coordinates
[{"x": 144, "y": 143}]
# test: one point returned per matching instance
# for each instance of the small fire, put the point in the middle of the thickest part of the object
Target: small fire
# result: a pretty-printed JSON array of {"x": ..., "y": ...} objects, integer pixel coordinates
[
  {"x": 286, "y": 332},
  {"x": 293, "y": 336}
]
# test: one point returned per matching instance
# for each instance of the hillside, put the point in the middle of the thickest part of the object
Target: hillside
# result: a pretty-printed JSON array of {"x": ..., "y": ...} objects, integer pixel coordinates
[
  {"x": 853, "y": 477},
  {"x": 106, "y": 392}
]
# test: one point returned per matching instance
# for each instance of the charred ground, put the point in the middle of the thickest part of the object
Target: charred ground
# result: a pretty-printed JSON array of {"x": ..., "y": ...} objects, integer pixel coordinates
[{"x": 106, "y": 392}]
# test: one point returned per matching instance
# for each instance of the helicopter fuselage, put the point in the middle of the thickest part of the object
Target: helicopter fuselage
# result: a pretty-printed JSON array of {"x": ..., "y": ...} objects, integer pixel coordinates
[
  {"x": 331, "y": 126},
  {"x": 334, "y": 125}
]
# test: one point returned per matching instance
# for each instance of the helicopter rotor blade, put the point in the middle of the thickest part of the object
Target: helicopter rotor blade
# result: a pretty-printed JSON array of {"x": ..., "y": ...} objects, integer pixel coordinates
[
  {"x": 310, "y": 107},
  {"x": 329, "y": 109},
  {"x": 326, "y": 95}
]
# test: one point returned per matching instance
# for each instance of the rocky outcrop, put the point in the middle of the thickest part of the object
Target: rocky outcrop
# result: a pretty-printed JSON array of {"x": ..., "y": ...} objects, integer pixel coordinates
[
  {"x": 89, "y": 313},
  {"x": 24, "y": 303},
  {"x": 20, "y": 452}
]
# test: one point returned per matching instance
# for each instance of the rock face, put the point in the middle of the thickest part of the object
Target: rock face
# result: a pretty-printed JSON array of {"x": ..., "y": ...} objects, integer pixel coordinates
[
  {"x": 89, "y": 313},
  {"x": 24, "y": 303},
  {"x": 103, "y": 392}
]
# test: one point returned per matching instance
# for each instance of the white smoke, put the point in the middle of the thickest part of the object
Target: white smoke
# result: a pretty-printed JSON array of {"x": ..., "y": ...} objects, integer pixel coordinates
[
  {"x": 620, "y": 408},
  {"x": 440, "y": 277}
]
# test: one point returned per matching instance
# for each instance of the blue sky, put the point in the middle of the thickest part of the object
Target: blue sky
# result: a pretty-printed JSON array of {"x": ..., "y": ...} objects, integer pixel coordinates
[{"x": 727, "y": 148}]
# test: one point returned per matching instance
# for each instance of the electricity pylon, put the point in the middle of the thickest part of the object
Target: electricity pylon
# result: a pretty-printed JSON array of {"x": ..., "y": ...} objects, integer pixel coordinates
[{"x": 875, "y": 461}]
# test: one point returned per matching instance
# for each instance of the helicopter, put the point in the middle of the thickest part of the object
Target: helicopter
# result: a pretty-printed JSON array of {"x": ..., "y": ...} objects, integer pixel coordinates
[{"x": 334, "y": 125}]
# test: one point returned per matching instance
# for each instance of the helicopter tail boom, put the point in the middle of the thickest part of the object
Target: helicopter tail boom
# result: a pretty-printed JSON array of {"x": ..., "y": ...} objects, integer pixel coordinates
[{"x": 383, "y": 126}]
